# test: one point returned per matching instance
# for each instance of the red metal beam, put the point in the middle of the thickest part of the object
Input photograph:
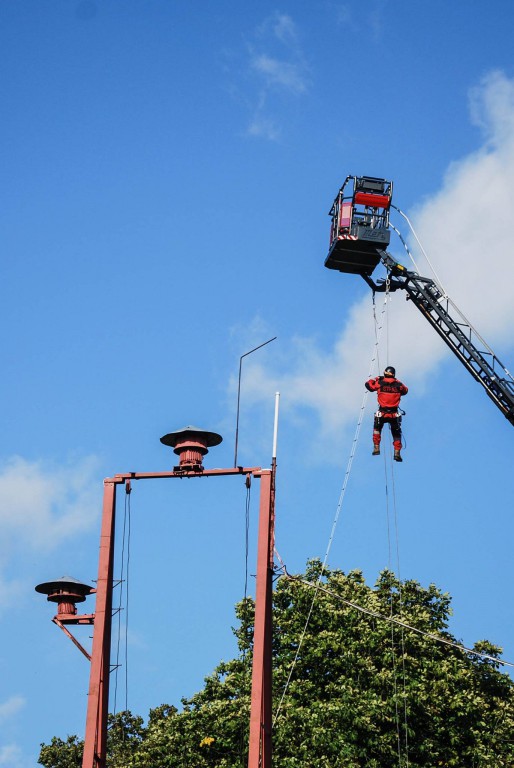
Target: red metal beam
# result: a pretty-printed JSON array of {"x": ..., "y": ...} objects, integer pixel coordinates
[
  {"x": 72, "y": 637},
  {"x": 95, "y": 742},
  {"x": 259, "y": 754},
  {"x": 124, "y": 476}
]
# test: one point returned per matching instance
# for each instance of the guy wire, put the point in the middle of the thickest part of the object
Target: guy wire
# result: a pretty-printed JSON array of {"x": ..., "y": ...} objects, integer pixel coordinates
[
  {"x": 244, "y": 619},
  {"x": 437, "y": 638},
  {"x": 128, "y": 503},
  {"x": 120, "y": 604}
]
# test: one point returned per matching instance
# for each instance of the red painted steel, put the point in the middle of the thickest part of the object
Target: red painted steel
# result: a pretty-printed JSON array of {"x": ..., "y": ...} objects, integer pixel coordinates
[
  {"x": 123, "y": 476},
  {"x": 259, "y": 754},
  {"x": 95, "y": 743},
  {"x": 75, "y": 618},
  {"x": 72, "y": 637},
  {"x": 98, "y": 699}
]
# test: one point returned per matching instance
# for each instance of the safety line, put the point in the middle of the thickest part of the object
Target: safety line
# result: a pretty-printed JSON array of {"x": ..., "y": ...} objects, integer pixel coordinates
[
  {"x": 376, "y": 334},
  {"x": 389, "y": 468},
  {"x": 421, "y": 247},
  {"x": 393, "y": 654},
  {"x": 395, "y": 684},
  {"x": 402, "y": 635},
  {"x": 445, "y": 296},
  {"x": 374, "y": 614},
  {"x": 124, "y": 593},
  {"x": 338, "y": 509}
]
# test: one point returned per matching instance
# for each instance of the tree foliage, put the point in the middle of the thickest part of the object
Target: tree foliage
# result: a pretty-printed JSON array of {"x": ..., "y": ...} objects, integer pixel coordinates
[{"x": 363, "y": 692}]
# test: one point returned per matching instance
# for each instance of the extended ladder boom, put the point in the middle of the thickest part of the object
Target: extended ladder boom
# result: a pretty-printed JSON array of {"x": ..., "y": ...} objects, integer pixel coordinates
[
  {"x": 459, "y": 335},
  {"x": 359, "y": 236}
]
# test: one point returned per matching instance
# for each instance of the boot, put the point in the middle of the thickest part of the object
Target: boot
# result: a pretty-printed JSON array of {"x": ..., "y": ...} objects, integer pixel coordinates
[
  {"x": 397, "y": 455},
  {"x": 376, "y": 450}
]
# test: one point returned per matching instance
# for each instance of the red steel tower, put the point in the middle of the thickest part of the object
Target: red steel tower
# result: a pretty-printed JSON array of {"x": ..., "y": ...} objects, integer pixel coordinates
[{"x": 191, "y": 444}]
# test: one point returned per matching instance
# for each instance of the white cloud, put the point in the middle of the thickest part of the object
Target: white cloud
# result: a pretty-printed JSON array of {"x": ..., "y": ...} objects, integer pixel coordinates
[
  {"x": 11, "y": 756},
  {"x": 369, "y": 20},
  {"x": 263, "y": 127},
  {"x": 285, "y": 74},
  {"x": 466, "y": 228},
  {"x": 41, "y": 507},
  {"x": 278, "y": 66},
  {"x": 11, "y": 707},
  {"x": 278, "y": 26},
  {"x": 492, "y": 107}
]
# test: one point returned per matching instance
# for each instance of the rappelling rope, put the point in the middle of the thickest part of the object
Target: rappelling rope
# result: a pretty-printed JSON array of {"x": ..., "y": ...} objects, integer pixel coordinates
[
  {"x": 395, "y": 684},
  {"x": 374, "y": 356},
  {"x": 440, "y": 286},
  {"x": 402, "y": 639},
  {"x": 393, "y": 653},
  {"x": 377, "y": 355},
  {"x": 402, "y": 635},
  {"x": 438, "y": 281}
]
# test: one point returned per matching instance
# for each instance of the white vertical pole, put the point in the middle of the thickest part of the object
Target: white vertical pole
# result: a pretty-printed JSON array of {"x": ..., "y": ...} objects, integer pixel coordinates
[{"x": 275, "y": 428}]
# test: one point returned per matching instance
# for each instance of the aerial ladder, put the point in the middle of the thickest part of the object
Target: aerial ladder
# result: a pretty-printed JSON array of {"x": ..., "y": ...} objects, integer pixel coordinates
[{"x": 359, "y": 236}]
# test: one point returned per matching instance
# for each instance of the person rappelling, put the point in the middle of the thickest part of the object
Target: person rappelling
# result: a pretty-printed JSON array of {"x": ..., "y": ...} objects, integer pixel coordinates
[{"x": 389, "y": 393}]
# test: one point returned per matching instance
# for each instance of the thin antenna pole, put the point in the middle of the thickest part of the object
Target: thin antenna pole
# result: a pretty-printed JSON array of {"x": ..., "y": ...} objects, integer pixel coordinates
[
  {"x": 239, "y": 391},
  {"x": 275, "y": 428}
]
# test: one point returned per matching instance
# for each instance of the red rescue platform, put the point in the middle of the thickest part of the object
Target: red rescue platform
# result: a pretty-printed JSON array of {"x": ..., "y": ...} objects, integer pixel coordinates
[{"x": 360, "y": 225}]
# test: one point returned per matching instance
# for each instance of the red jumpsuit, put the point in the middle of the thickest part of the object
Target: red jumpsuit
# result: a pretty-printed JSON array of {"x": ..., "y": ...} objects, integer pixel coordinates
[{"x": 389, "y": 391}]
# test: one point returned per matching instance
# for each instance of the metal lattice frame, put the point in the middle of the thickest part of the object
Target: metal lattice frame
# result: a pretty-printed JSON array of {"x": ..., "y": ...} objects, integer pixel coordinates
[{"x": 460, "y": 336}]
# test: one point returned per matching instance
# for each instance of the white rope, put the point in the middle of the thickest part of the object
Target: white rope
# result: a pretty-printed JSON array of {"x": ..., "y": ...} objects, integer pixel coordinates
[
  {"x": 339, "y": 505},
  {"x": 464, "y": 320},
  {"x": 390, "y": 468},
  {"x": 393, "y": 653},
  {"x": 402, "y": 636},
  {"x": 421, "y": 248}
]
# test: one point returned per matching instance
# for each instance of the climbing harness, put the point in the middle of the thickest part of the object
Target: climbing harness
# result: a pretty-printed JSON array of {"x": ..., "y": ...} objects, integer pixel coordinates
[{"x": 390, "y": 413}]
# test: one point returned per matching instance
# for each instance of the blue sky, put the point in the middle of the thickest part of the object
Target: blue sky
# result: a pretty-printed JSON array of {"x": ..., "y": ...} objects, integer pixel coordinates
[{"x": 167, "y": 172}]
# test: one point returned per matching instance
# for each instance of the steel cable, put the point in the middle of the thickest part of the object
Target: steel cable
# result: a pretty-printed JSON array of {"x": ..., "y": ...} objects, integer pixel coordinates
[
  {"x": 399, "y": 622},
  {"x": 124, "y": 593}
]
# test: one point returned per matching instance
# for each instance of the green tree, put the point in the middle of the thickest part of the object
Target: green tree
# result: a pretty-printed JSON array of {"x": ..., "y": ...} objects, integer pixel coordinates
[
  {"x": 363, "y": 692},
  {"x": 124, "y": 737}
]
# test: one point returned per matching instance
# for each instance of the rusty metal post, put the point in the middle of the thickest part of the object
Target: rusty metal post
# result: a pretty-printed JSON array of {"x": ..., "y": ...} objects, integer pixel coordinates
[
  {"x": 259, "y": 754},
  {"x": 95, "y": 743}
]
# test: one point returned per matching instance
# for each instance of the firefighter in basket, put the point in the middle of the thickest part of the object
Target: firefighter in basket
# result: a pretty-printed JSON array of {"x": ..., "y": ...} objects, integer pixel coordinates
[{"x": 389, "y": 392}]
